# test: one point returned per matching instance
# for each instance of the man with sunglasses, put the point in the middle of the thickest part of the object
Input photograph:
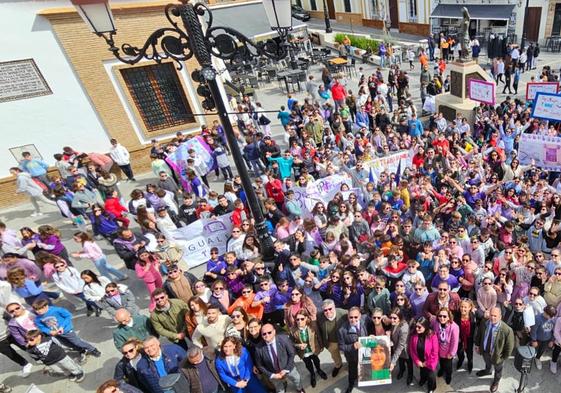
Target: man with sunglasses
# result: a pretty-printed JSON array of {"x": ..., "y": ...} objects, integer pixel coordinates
[
  {"x": 168, "y": 317},
  {"x": 328, "y": 322},
  {"x": 348, "y": 335},
  {"x": 441, "y": 297},
  {"x": 274, "y": 357}
]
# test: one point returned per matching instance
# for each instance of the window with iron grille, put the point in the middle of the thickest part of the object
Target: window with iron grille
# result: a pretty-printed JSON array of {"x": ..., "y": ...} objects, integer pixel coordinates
[{"x": 158, "y": 96}]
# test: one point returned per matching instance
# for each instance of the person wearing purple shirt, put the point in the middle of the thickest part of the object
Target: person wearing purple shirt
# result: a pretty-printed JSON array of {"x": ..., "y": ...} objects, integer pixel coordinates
[
  {"x": 445, "y": 276},
  {"x": 215, "y": 266},
  {"x": 418, "y": 298},
  {"x": 49, "y": 240},
  {"x": 272, "y": 300}
]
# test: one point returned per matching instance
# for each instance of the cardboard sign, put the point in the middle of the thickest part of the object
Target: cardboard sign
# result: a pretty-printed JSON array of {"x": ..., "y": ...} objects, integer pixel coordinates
[
  {"x": 547, "y": 106},
  {"x": 533, "y": 88},
  {"x": 482, "y": 91}
]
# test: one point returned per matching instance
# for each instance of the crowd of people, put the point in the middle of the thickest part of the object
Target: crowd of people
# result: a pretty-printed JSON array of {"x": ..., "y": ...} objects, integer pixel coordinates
[{"x": 455, "y": 254}]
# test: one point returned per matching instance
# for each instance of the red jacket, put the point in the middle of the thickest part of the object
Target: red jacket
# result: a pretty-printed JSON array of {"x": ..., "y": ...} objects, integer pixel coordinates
[
  {"x": 238, "y": 216},
  {"x": 274, "y": 190},
  {"x": 338, "y": 92},
  {"x": 113, "y": 205}
]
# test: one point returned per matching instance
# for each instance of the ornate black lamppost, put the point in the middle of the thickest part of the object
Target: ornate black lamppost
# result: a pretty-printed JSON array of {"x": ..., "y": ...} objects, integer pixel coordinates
[{"x": 182, "y": 42}]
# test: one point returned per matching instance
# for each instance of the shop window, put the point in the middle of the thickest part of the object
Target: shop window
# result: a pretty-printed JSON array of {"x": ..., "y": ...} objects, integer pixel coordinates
[{"x": 158, "y": 96}]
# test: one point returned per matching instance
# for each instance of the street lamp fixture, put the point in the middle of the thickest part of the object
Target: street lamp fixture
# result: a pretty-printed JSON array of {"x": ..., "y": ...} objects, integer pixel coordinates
[{"x": 181, "y": 43}]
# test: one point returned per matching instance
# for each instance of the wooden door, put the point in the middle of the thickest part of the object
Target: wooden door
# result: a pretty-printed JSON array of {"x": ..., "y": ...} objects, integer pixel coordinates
[
  {"x": 331, "y": 9},
  {"x": 533, "y": 23},
  {"x": 394, "y": 15}
]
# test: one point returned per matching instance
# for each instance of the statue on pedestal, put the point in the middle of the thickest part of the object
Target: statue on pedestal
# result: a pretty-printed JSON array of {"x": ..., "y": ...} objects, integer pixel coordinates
[{"x": 464, "y": 36}]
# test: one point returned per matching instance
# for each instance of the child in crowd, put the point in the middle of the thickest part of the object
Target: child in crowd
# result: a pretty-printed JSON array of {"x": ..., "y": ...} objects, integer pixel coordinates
[{"x": 46, "y": 350}]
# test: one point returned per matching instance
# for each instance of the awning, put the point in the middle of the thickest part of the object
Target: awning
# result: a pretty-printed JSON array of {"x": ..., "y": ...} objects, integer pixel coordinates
[
  {"x": 247, "y": 18},
  {"x": 482, "y": 12}
]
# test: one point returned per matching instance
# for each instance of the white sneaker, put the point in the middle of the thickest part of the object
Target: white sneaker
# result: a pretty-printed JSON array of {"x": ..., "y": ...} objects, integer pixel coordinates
[
  {"x": 553, "y": 367},
  {"x": 26, "y": 370},
  {"x": 538, "y": 363}
]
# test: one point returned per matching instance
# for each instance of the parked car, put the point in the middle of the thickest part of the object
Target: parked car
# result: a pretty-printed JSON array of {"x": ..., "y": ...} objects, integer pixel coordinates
[{"x": 300, "y": 13}]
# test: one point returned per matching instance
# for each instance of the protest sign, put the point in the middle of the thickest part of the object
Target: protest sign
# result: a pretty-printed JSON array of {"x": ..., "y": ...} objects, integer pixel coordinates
[
  {"x": 547, "y": 106},
  {"x": 390, "y": 163},
  {"x": 544, "y": 150},
  {"x": 482, "y": 91},
  {"x": 374, "y": 361},
  {"x": 199, "y": 237},
  {"x": 321, "y": 190},
  {"x": 178, "y": 159},
  {"x": 533, "y": 88}
]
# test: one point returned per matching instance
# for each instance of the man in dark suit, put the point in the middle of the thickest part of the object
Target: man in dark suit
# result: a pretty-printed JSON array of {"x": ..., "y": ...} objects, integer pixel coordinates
[
  {"x": 494, "y": 341},
  {"x": 329, "y": 322},
  {"x": 348, "y": 334},
  {"x": 274, "y": 357}
]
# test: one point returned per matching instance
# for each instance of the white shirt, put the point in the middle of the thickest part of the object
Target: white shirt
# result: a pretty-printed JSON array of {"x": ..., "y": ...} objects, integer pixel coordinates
[{"x": 120, "y": 154}]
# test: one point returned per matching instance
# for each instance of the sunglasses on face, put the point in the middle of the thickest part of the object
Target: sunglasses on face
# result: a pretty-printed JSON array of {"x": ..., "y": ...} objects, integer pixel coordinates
[
  {"x": 267, "y": 333},
  {"x": 129, "y": 351},
  {"x": 301, "y": 319},
  {"x": 218, "y": 288},
  {"x": 245, "y": 292}
]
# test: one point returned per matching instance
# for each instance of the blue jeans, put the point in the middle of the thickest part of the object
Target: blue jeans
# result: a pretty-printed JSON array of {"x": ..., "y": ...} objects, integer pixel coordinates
[
  {"x": 105, "y": 269},
  {"x": 72, "y": 340}
]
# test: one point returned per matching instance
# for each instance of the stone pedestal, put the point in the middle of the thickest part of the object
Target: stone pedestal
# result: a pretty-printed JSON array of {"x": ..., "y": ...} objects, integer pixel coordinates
[{"x": 457, "y": 99}]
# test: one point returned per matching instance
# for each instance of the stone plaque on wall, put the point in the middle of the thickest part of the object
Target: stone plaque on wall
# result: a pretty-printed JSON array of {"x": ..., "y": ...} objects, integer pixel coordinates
[
  {"x": 456, "y": 84},
  {"x": 20, "y": 79}
]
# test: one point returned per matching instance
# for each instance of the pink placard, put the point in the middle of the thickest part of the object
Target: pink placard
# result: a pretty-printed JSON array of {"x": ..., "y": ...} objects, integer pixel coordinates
[
  {"x": 532, "y": 88},
  {"x": 482, "y": 91}
]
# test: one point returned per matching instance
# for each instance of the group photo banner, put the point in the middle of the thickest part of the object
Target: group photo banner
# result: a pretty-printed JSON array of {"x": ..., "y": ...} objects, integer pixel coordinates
[
  {"x": 178, "y": 159},
  {"x": 547, "y": 106},
  {"x": 544, "y": 150},
  {"x": 199, "y": 237},
  {"x": 533, "y": 88}
]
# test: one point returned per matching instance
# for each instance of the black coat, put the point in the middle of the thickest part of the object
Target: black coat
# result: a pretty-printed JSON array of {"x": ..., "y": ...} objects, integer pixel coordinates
[{"x": 126, "y": 373}]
